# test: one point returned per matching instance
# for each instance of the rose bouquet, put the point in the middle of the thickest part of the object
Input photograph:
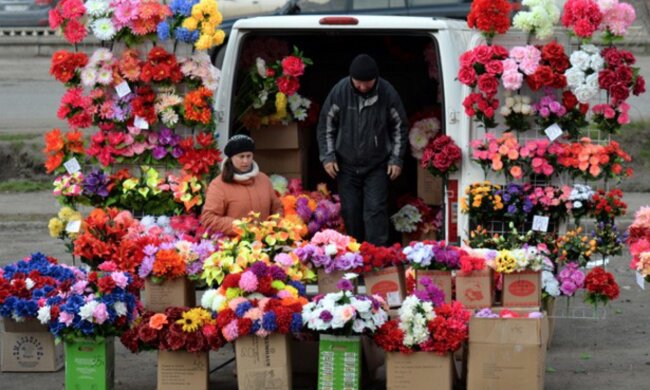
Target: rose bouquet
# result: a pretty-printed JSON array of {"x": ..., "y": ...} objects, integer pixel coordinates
[
  {"x": 441, "y": 156},
  {"x": 571, "y": 279},
  {"x": 552, "y": 65},
  {"x": 582, "y": 77},
  {"x": 539, "y": 157},
  {"x": 517, "y": 110},
  {"x": 567, "y": 112},
  {"x": 376, "y": 258},
  {"x": 433, "y": 255},
  {"x": 601, "y": 287},
  {"x": 177, "y": 329},
  {"x": 540, "y": 18},
  {"x": 344, "y": 313},
  {"x": 575, "y": 247},
  {"x": 592, "y": 161},
  {"x": 521, "y": 62},
  {"x": 260, "y": 301},
  {"x": 490, "y": 17},
  {"x": 582, "y": 17},
  {"x": 499, "y": 154},
  {"x": 550, "y": 285},
  {"x": 415, "y": 217},
  {"x": 60, "y": 148},
  {"x": 421, "y": 133},
  {"x": 549, "y": 200},
  {"x": 101, "y": 305},
  {"x": 59, "y": 228},
  {"x": 26, "y": 284},
  {"x": 331, "y": 251},
  {"x": 607, "y": 205}
]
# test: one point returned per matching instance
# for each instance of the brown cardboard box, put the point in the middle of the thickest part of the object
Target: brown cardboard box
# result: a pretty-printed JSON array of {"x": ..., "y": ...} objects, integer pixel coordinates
[
  {"x": 327, "y": 282},
  {"x": 29, "y": 325},
  {"x": 280, "y": 161},
  {"x": 181, "y": 370},
  {"x": 277, "y": 137},
  {"x": 441, "y": 278},
  {"x": 389, "y": 283},
  {"x": 263, "y": 362},
  {"x": 522, "y": 289},
  {"x": 475, "y": 290},
  {"x": 30, "y": 352},
  {"x": 418, "y": 371},
  {"x": 408, "y": 237},
  {"x": 507, "y": 353},
  {"x": 430, "y": 188},
  {"x": 177, "y": 292}
]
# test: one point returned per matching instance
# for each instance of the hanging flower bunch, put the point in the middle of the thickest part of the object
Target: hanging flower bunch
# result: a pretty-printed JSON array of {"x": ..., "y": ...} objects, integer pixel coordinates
[
  {"x": 75, "y": 108},
  {"x": 435, "y": 255},
  {"x": 343, "y": 313},
  {"x": 101, "y": 305},
  {"x": 582, "y": 77},
  {"x": 99, "y": 19},
  {"x": 580, "y": 201},
  {"x": 582, "y": 17},
  {"x": 29, "y": 283},
  {"x": 571, "y": 279},
  {"x": 540, "y": 157},
  {"x": 441, "y": 156},
  {"x": 482, "y": 68},
  {"x": 273, "y": 96},
  {"x": 66, "y": 66},
  {"x": 592, "y": 161},
  {"x": 553, "y": 64},
  {"x": 332, "y": 251},
  {"x": 60, "y": 148},
  {"x": 161, "y": 67},
  {"x": 199, "y": 71},
  {"x": 481, "y": 200},
  {"x": 516, "y": 110},
  {"x": 567, "y": 112},
  {"x": 67, "y": 17},
  {"x": 421, "y": 133},
  {"x": 187, "y": 190},
  {"x": 198, "y": 108},
  {"x": 491, "y": 17},
  {"x": 98, "y": 72},
  {"x": 608, "y": 205},
  {"x": 617, "y": 18},
  {"x": 193, "y": 21},
  {"x": 498, "y": 154},
  {"x": 259, "y": 301},
  {"x": 540, "y": 18},
  {"x": 548, "y": 200},
  {"x": 135, "y": 19},
  {"x": 522, "y": 61},
  {"x": 574, "y": 246},
  {"x": 376, "y": 258},
  {"x": 199, "y": 159},
  {"x": 176, "y": 329},
  {"x": 516, "y": 202},
  {"x": 601, "y": 287},
  {"x": 58, "y": 226},
  {"x": 68, "y": 187}
]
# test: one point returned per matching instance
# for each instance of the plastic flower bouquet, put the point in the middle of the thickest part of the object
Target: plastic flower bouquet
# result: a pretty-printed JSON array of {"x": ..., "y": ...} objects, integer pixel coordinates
[
  {"x": 601, "y": 287},
  {"x": 30, "y": 282},
  {"x": 441, "y": 156},
  {"x": 101, "y": 305},
  {"x": 421, "y": 133},
  {"x": 177, "y": 329},
  {"x": 490, "y": 17},
  {"x": 343, "y": 313},
  {"x": 260, "y": 301},
  {"x": 416, "y": 217},
  {"x": 234, "y": 256},
  {"x": 576, "y": 247},
  {"x": 60, "y": 148},
  {"x": 316, "y": 210},
  {"x": 58, "y": 226},
  {"x": 275, "y": 233},
  {"x": 194, "y": 22},
  {"x": 433, "y": 255},
  {"x": 608, "y": 205},
  {"x": 521, "y": 259},
  {"x": 539, "y": 19},
  {"x": 482, "y": 201},
  {"x": 582, "y": 76},
  {"x": 517, "y": 111},
  {"x": 571, "y": 279},
  {"x": 331, "y": 251},
  {"x": 580, "y": 201},
  {"x": 174, "y": 259}
]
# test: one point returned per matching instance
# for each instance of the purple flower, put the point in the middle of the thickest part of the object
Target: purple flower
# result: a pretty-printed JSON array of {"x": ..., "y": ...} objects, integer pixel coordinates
[
  {"x": 96, "y": 183},
  {"x": 325, "y": 315},
  {"x": 159, "y": 152},
  {"x": 177, "y": 152},
  {"x": 146, "y": 266},
  {"x": 277, "y": 273},
  {"x": 345, "y": 284},
  {"x": 165, "y": 136},
  {"x": 431, "y": 292},
  {"x": 486, "y": 313},
  {"x": 260, "y": 269}
]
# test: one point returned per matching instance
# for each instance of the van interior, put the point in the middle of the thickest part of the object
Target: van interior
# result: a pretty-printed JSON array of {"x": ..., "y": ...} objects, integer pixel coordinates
[{"x": 409, "y": 61}]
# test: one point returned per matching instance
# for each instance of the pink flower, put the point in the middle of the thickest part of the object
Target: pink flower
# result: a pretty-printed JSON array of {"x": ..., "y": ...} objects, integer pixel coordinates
[
  {"x": 120, "y": 279},
  {"x": 108, "y": 266},
  {"x": 235, "y": 302},
  {"x": 79, "y": 287},
  {"x": 512, "y": 80},
  {"x": 347, "y": 313},
  {"x": 66, "y": 318},
  {"x": 248, "y": 281},
  {"x": 254, "y": 314},
  {"x": 100, "y": 314},
  {"x": 230, "y": 332}
]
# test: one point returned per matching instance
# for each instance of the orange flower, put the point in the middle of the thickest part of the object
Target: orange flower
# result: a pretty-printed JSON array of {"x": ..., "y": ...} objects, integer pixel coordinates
[
  {"x": 197, "y": 107},
  {"x": 75, "y": 141},
  {"x": 168, "y": 264},
  {"x": 289, "y": 204},
  {"x": 53, "y": 162},
  {"x": 54, "y": 141},
  {"x": 157, "y": 321}
]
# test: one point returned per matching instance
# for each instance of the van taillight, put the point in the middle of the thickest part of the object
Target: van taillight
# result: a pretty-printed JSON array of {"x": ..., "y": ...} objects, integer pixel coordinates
[
  {"x": 42, "y": 2},
  {"x": 339, "y": 20}
]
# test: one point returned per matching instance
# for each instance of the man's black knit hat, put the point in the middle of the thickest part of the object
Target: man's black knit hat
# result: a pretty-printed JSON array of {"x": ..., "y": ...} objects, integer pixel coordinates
[
  {"x": 238, "y": 144},
  {"x": 364, "y": 68}
]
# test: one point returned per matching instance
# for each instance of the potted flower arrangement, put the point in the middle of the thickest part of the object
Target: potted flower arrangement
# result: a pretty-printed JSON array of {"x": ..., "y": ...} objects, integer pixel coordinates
[
  {"x": 383, "y": 272},
  {"x": 341, "y": 318},
  {"x": 435, "y": 260},
  {"x": 474, "y": 279},
  {"x": 521, "y": 269},
  {"x": 332, "y": 254}
]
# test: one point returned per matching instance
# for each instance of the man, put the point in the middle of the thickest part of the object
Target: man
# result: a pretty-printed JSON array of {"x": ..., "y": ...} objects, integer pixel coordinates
[{"x": 362, "y": 140}]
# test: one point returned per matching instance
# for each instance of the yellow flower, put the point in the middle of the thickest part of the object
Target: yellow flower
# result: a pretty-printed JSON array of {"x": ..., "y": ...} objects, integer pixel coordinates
[
  {"x": 66, "y": 213},
  {"x": 129, "y": 184},
  {"x": 505, "y": 262},
  {"x": 204, "y": 42},
  {"x": 56, "y": 227},
  {"x": 192, "y": 320},
  {"x": 218, "y": 37},
  {"x": 190, "y": 23},
  {"x": 280, "y": 102}
]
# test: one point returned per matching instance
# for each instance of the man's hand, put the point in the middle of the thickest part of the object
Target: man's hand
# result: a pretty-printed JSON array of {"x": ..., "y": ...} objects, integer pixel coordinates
[
  {"x": 394, "y": 171},
  {"x": 332, "y": 168}
]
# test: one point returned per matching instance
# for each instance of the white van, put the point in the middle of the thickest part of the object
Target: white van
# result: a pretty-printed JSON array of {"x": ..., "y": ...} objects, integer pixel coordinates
[{"x": 398, "y": 44}]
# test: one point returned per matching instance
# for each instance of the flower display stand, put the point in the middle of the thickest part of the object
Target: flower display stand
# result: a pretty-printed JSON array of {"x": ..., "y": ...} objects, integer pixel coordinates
[
  {"x": 181, "y": 370},
  {"x": 339, "y": 362},
  {"x": 177, "y": 292},
  {"x": 90, "y": 363},
  {"x": 419, "y": 371},
  {"x": 263, "y": 362},
  {"x": 441, "y": 278}
]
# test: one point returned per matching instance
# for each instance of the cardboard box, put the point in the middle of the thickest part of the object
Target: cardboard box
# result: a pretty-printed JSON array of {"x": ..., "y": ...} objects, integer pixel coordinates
[
  {"x": 339, "y": 363},
  {"x": 418, "y": 371},
  {"x": 30, "y": 352},
  {"x": 475, "y": 290},
  {"x": 90, "y": 364},
  {"x": 522, "y": 289},
  {"x": 30, "y": 325},
  {"x": 327, "y": 282},
  {"x": 507, "y": 353},
  {"x": 430, "y": 188},
  {"x": 177, "y": 292},
  {"x": 408, "y": 237},
  {"x": 441, "y": 278},
  {"x": 277, "y": 137},
  {"x": 548, "y": 306},
  {"x": 181, "y": 370},
  {"x": 280, "y": 161},
  {"x": 263, "y": 362},
  {"x": 389, "y": 283}
]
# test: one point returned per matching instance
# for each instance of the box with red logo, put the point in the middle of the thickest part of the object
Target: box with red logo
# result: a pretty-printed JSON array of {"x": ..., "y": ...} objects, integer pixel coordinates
[
  {"x": 440, "y": 278},
  {"x": 522, "y": 289},
  {"x": 475, "y": 290},
  {"x": 389, "y": 283}
]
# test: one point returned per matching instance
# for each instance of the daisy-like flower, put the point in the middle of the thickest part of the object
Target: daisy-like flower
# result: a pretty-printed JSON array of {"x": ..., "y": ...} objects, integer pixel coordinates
[{"x": 104, "y": 29}]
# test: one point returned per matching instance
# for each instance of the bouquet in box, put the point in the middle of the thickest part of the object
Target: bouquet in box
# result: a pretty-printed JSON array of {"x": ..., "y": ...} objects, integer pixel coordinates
[
  {"x": 103, "y": 304},
  {"x": 317, "y": 210},
  {"x": 29, "y": 283},
  {"x": 421, "y": 327},
  {"x": 234, "y": 256},
  {"x": 175, "y": 258},
  {"x": 331, "y": 251},
  {"x": 529, "y": 257},
  {"x": 376, "y": 258},
  {"x": 177, "y": 329},
  {"x": 277, "y": 234},
  {"x": 343, "y": 313},
  {"x": 435, "y": 255},
  {"x": 259, "y": 301}
]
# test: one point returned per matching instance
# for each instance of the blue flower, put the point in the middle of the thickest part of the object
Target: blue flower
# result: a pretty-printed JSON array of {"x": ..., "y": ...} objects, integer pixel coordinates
[
  {"x": 269, "y": 321},
  {"x": 296, "y": 322},
  {"x": 254, "y": 327},
  {"x": 302, "y": 291},
  {"x": 185, "y": 35},
  {"x": 163, "y": 30},
  {"x": 86, "y": 327},
  {"x": 182, "y": 7},
  {"x": 242, "y": 308}
]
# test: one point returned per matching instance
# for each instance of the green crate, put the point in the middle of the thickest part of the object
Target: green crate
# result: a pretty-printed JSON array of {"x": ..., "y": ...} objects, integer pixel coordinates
[
  {"x": 89, "y": 364},
  {"x": 339, "y": 363}
]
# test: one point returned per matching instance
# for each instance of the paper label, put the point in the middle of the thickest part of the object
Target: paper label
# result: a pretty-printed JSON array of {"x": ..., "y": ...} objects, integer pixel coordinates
[
  {"x": 640, "y": 280},
  {"x": 140, "y": 123},
  {"x": 540, "y": 223},
  {"x": 553, "y": 132},
  {"x": 122, "y": 89},
  {"x": 73, "y": 226},
  {"x": 72, "y": 166},
  {"x": 393, "y": 298}
]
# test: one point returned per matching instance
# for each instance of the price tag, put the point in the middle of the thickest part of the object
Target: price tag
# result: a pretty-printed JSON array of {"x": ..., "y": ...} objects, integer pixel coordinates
[
  {"x": 72, "y": 166},
  {"x": 122, "y": 89},
  {"x": 553, "y": 132},
  {"x": 540, "y": 223},
  {"x": 73, "y": 226},
  {"x": 393, "y": 298},
  {"x": 640, "y": 280},
  {"x": 141, "y": 123}
]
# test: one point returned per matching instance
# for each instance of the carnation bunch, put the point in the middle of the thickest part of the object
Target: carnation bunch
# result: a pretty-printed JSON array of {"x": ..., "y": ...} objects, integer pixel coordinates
[
  {"x": 331, "y": 251},
  {"x": 433, "y": 255},
  {"x": 583, "y": 17},
  {"x": 617, "y": 18},
  {"x": 539, "y": 19},
  {"x": 583, "y": 76},
  {"x": 421, "y": 133},
  {"x": 491, "y": 17},
  {"x": 197, "y": 108},
  {"x": 601, "y": 287},
  {"x": 549, "y": 200},
  {"x": 376, "y": 258}
]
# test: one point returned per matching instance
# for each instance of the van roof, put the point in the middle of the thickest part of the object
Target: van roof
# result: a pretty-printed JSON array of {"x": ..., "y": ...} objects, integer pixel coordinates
[{"x": 365, "y": 22}]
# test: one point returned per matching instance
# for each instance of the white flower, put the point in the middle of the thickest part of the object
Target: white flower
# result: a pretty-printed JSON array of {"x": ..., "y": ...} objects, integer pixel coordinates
[
  {"x": 580, "y": 59},
  {"x": 86, "y": 311},
  {"x": 169, "y": 117},
  {"x": 262, "y": 97},
  {"x": 577, "y": 204},
  {"x": 120, "y": 308},
  {"x": 597, "y": 62},
  {"x": 44, "y": 314},
  {"x": 590, "y": 49},
  {"x": 260, "y": 64},
  {"x": 358, "y": 326},
  {"x": 88, "y": 77},
  {"x": 584, "y": 93},
  {"x": 163, "y": 221},
  {"x": 104, "y": 76},
  {"x": 96, "y": 7},
  {"x": 104, "y": 29},
  {"x": 510, "y": 102},
  {"x": 550, "y": 284},
  {"x": 29, "y": 283},
  {"x": 526, "y": 109},
  {"x": 300, "y": 114},
  {"x": 505, "y": 111},
  {"x": 574, "y": 77}
]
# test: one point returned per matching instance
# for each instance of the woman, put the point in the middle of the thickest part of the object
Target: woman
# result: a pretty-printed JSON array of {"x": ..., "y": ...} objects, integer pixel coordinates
[{"x": 239, "y": 189}]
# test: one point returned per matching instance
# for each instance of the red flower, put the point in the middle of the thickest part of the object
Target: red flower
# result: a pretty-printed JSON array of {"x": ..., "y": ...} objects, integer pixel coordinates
[
  {"x": 293, "y": 66},
  {"x": 288, "y": 85},
  {"x": 601, "y": 285},
  {"x": 488, "y": 84},
  {"x": 583, "y": 16},
  {"x": 106, "y": 284},
  {"x": 490, "y": 16}
]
